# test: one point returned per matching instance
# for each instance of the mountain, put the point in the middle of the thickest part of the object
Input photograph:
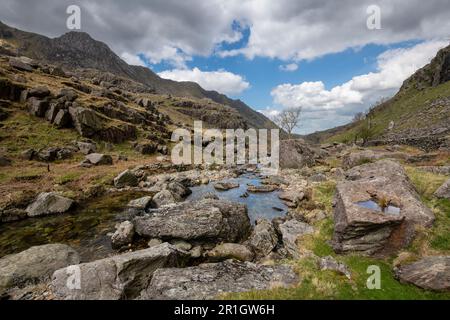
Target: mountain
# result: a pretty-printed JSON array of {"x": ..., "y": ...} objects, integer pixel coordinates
[
  {"x": 419, "y": 111},
  {"x": 78, "y": 50}
]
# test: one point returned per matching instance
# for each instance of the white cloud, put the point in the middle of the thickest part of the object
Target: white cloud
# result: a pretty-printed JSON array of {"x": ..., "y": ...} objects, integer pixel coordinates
[
  {"x": 289, "y": 67},
  {"x": 337, "y": 105},
  {"x": 222, "y": 81},
  {"x": 132, "y": 59}
]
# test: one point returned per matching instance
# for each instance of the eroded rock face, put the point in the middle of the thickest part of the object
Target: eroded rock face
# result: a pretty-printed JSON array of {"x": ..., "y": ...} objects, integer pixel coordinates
[
  {"x": 296, "y": 154},
  {"x": 361, "y": 229},
  {"x": 291, "y": 231},
  {"x": 208, "y": 281},
  {"x": 263, "y": 239},
  {"x": 35, "y": 264},
  {"x": 118, "y": 277},
  {"x": 444, "y": 190},
  {"x": 211, "y": 220},
  {"x": 49, "y": 203},
  {"x": 430, "y": 273}
]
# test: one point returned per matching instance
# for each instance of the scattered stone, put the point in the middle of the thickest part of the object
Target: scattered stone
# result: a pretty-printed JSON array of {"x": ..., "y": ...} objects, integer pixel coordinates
[
  {"x": 292, "y": 198},
  {"x": 99, "y": 159},
  {"x": 123, "y": 235},
  {"x": 20, "y": 64},
  {"x": 329, "y": 263},
  {"x": 148, "y": 148},
  {"x": 87, "y": 147},
  {"x": 318, "y": 177},
  {"x": 49, "y": 203},
  {"x": 5, "y": 162},
  {"x": 444, "y": 190},
  {"x": 207, "y": 220},
  {"x": 34, "y": 265},
  {"x": 154, "y": 243},
  {"x": 126, "y": 179},
  {"x": 182, "y": 245},
  {"x": 210, "y": 280},
  {"x": 227, "y": 251},
  {"x": 263, "y": 239},
  {"x": 224, "y": 186},
  {"x": 37, "y": 107},
  {"x": 39, "y": 92},
  {"x": 266, "y": 188},
  {"x": 141, "y": 203},
  {"x": 117, "y": 277},
  {"x": 28, "y": 154},
  {"x": 67, "y": 94},
  {"x": 291, "y": 231},
  {"x": 430, "y": 273},
  {"x": 196, "y": 252},
  {"x": 62, "y": 119}
]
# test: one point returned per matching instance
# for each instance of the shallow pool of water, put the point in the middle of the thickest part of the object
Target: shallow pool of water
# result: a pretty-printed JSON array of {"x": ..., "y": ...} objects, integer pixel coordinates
[
  {"x": 260, "y": 205},
  {"x": 85, "y": 229},
  {"x": 373, "y": 205}
]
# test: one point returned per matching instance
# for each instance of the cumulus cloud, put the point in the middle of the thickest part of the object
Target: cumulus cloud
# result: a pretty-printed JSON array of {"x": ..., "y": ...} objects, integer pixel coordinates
[
  {"x": 222, "y": 81},
  {"x": 132, "y": 59},
  {"x": 173, "y": 30},
  {"x": 326, "y": 108},
  {"x": 289, "y": 67}
]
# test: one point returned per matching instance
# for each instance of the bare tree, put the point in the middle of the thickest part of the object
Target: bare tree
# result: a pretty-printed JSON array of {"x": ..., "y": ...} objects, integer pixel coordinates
[
  {"x": 359, "y": 116},
  {"x": 289, "y": 119}
]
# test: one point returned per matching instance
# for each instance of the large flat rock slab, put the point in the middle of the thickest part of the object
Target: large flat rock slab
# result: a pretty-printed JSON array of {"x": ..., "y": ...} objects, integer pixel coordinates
[
  {"x": 208, "y": 281},
  {"x": 208, "y": 219},
  {"x": 430, "y": 273},
  {"x": 360, "y": 228},
  {"x": 35, "y": 264},
  {"x": 118, "y": 277}
]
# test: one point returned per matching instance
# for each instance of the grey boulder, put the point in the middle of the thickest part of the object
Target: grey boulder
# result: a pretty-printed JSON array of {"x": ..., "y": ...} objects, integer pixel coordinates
[
  {"x": 49, "y": 203},
  {"x": 291, "y": 231}
]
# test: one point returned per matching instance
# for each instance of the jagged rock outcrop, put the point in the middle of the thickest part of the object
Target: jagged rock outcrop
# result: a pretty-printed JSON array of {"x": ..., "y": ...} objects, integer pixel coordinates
[{"x": 208, "y": 281}]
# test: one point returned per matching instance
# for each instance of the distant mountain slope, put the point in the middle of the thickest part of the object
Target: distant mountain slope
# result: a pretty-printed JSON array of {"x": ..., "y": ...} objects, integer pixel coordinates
[
  {"x": 79, "y": 50},
  {"x": 421, "y": 108}
]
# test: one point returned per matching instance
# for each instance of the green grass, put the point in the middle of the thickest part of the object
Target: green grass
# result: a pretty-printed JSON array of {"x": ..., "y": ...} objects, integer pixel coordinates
[
  {"x": 403, "y": 109},
  {"x": 67, "y": 178}
]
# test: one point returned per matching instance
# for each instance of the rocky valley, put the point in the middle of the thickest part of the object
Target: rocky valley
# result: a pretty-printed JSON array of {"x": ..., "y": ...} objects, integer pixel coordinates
[{"x": 91, "y": 206}]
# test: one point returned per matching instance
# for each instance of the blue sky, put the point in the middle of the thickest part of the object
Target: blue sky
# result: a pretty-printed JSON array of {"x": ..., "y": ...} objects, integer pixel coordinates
[{"x": 341, "y": 65}]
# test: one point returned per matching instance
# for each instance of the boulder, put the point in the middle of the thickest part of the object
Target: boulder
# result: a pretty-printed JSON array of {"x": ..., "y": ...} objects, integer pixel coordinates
[
  {"x": 49, "y": 203},
  {"x": 62, "y": 119},
  {"x": 360, "y": 223},
  {"x": 38, "y": 92},
  {"x": 141, "y": 203},
  {"x": 86, "y": 121},
  {"x": 99, "y": 159},
  {"x": 20, "y": 64},
  {"x": 163, "y": 198},
  {"x": 265, "y": 188},
  {"x": 67, "y": 94},
  {"x": 37, "y": 107},
  {"x": 263, "y": 239},
  {"x": 444, "y": 190},
  {"x": 117, "y": 277},
  {"x": 86, "y": 147},
  {"x": 292, "y": 198},
  {"x": 429, "y": 273},
  {"x": 34, "y": 265},
  {"x": 208, "y": 220},
  {"x": 296, "y": 154},
  {"x": 147, "y": 148},
  {"x": 123, "y": 235},
  {"x": 291, "y": 231},
  {"x": 126, "y": 179},
  {"x": 224, "y": 186},
  {"x": 208, "y": 281},
  {"x": 227, "y": 251},
  {"x": 329, "y": 263},
  {"x": 5, "y": 162},
  {"x": 357, "y": 158}
]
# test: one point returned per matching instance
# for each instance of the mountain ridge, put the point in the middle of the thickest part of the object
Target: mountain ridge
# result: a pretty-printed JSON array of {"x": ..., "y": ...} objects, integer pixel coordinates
[{"x": 79, "y": 50}]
